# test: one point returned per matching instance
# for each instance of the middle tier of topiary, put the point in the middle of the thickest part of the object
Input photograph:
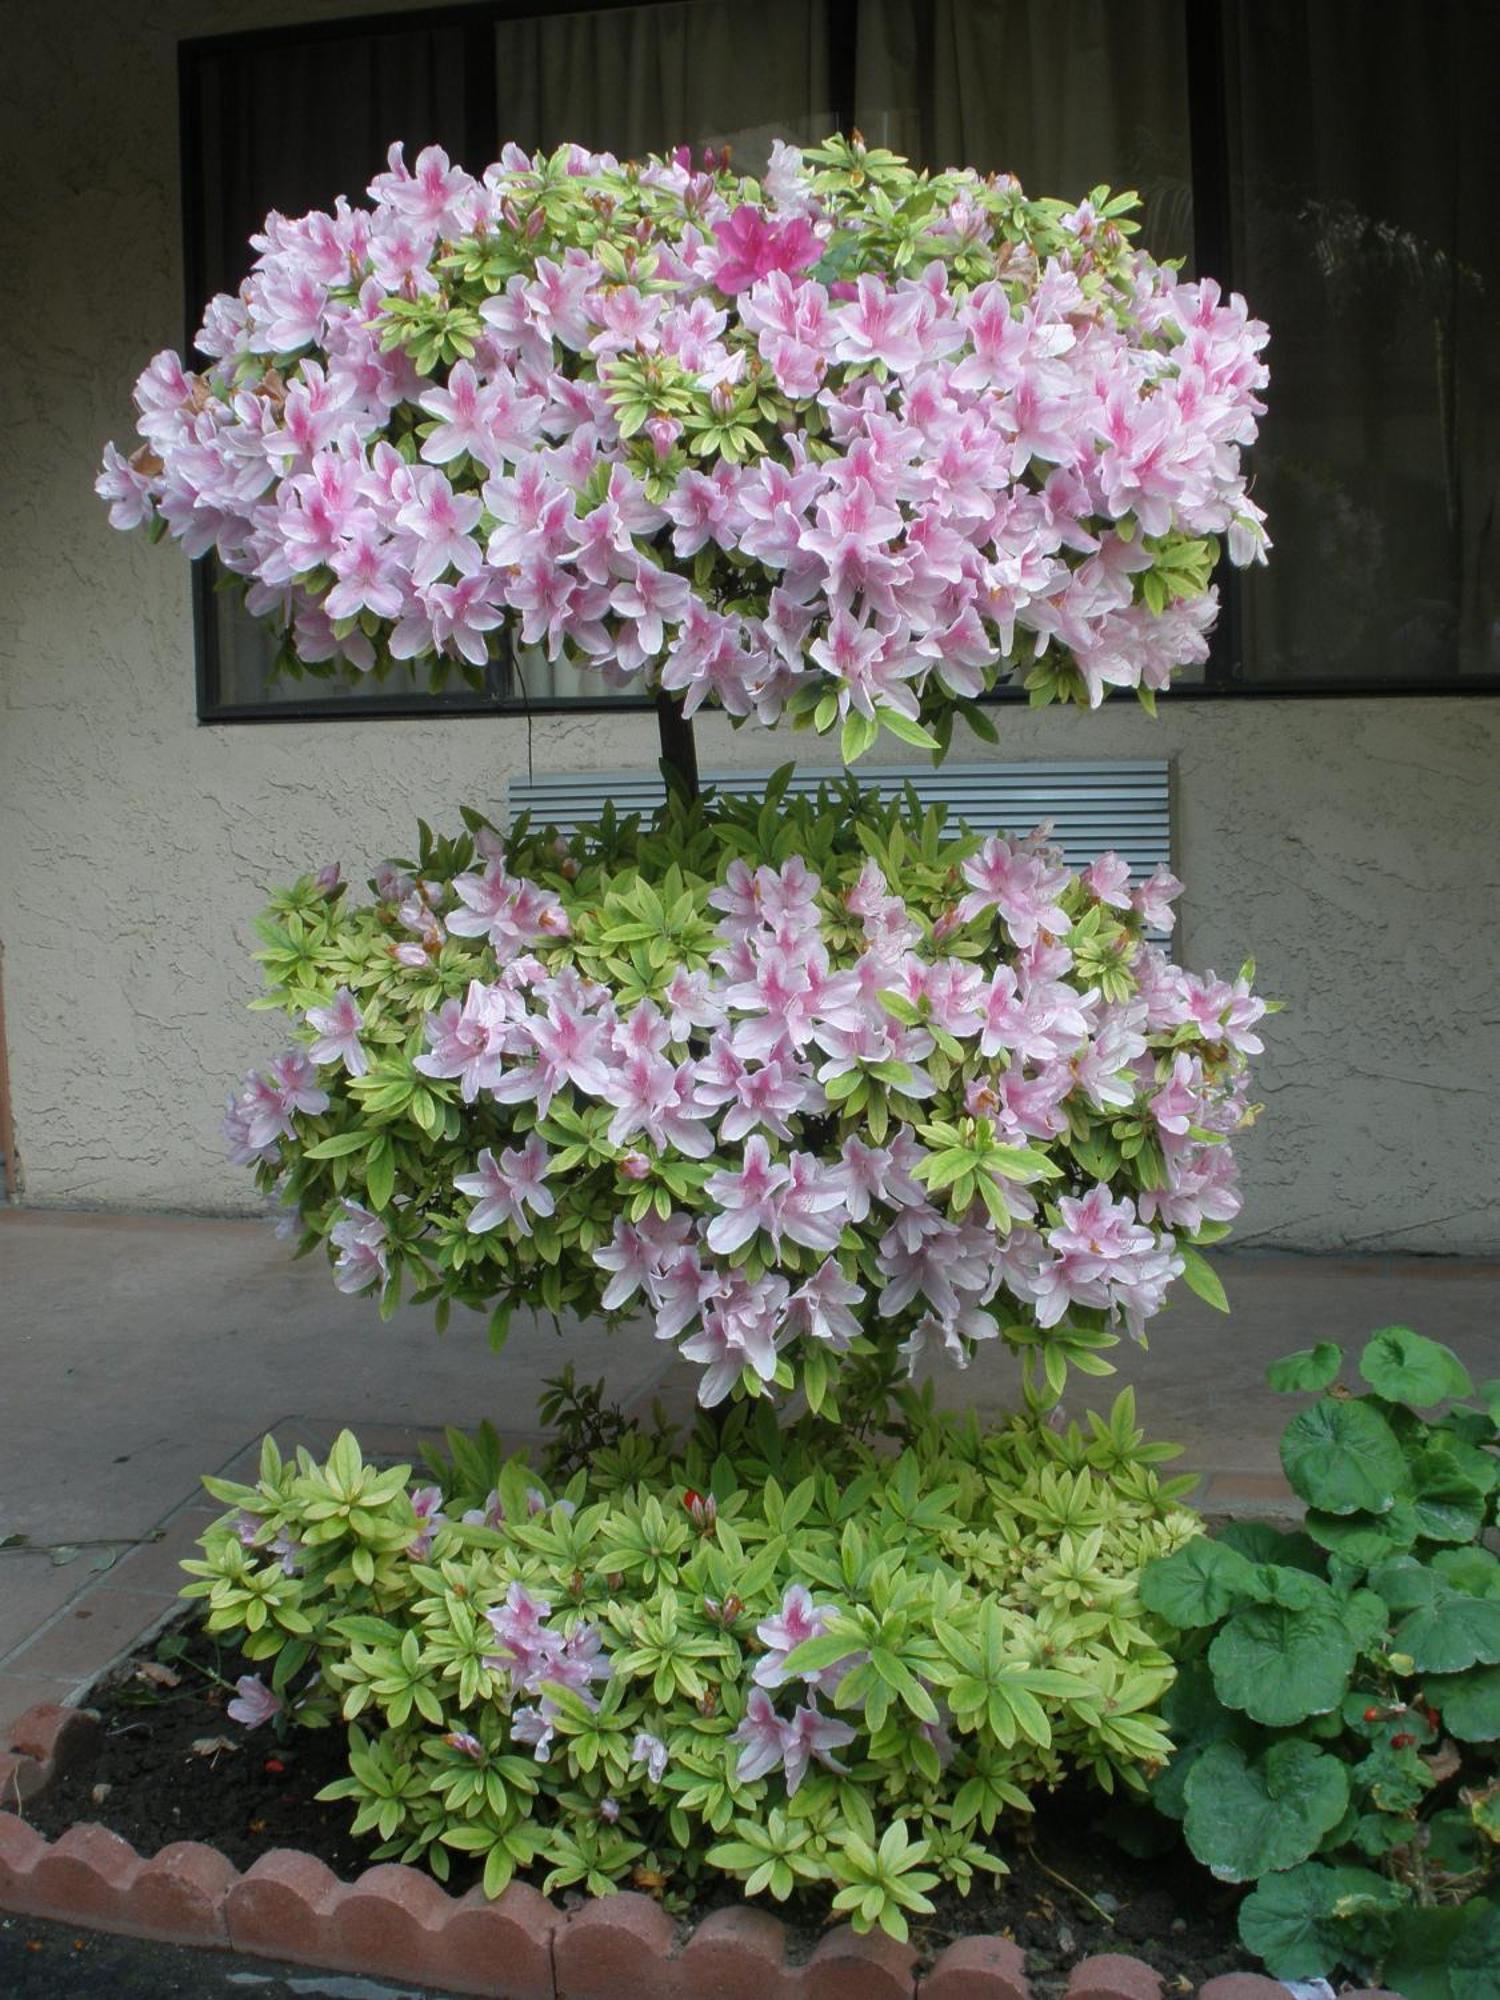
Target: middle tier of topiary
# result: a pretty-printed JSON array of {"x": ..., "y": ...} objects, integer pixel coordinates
[
  {"x": 779, "y": 1656},
  {"x": 818, "y": 1085}
]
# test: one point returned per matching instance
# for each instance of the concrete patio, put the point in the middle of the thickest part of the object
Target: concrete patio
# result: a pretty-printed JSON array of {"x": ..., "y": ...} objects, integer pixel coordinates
[{"x": 138, "y": 1352}]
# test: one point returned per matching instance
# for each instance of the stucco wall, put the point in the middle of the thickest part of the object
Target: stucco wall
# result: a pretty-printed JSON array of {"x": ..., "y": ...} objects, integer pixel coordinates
[{"x": 1352, "y": 846}]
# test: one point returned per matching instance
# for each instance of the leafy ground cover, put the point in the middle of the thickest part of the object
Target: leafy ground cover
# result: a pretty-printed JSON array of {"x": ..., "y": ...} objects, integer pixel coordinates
[{"x": 177, "y": 1767}]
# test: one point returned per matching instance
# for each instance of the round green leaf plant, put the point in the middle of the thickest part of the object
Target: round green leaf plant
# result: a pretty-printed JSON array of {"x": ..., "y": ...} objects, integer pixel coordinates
[{"x": 1337, "y": 1715}]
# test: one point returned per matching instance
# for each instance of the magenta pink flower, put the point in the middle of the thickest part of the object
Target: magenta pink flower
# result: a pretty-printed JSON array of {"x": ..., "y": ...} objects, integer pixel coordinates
[{"x": 751, "y": 247}]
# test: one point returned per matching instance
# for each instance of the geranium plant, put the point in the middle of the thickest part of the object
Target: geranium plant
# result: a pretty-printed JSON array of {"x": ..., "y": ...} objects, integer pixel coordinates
[
  {"x": 812, "y": 1088},
  {"x": 1338, "y": 1711}
]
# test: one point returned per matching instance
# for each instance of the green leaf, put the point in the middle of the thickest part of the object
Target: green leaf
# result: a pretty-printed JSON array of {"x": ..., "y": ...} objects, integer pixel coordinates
[
  {"x": 1245, "y": 1819},
  {"x": 1310, "y": 1369},
  {"x": 334, "y": 1147},
  {"x": 1343, "y": 1457},
  {"x": 1364, "y": 1538},
  {"x": 1450, "y": 1954},
  {"x": 1198, "y": 1584},
  {"x": 1469, "y": 1703},
  {"x": 909, "y": 731},
  {"x": 1202, "y": 1278},
  {"x": 858, "y": 733},
  {"x": 1444, "y": 1631},
  {"x": 380, "y": 1173},
  {"x": 1292, "y": 1919},
  {"x": 1405, "y": 1367},
  {"x": 1280, "y": 1664}
]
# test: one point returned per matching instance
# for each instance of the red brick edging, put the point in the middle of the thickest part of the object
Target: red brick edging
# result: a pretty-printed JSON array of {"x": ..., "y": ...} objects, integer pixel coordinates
[{"x": 397, "y": 1923}]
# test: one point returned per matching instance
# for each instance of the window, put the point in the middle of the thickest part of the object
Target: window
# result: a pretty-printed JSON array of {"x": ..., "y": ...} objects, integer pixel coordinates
[{"x": 1330, "y": 158}]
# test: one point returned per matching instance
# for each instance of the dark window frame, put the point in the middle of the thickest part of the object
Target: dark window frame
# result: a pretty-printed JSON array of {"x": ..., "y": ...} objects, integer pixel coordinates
[{"x": 1224, "y": 673}]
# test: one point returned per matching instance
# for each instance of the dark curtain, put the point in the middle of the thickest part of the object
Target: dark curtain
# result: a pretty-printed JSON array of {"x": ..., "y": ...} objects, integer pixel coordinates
[{"x": 1362, "y": 166}]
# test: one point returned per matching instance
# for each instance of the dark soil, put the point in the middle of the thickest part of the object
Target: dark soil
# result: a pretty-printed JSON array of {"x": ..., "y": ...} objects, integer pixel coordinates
[{"x": 162, "y": 1774}]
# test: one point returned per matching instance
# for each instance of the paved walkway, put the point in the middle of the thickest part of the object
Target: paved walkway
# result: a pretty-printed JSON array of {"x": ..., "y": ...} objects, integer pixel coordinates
[{"x": 138, "y": 1352}]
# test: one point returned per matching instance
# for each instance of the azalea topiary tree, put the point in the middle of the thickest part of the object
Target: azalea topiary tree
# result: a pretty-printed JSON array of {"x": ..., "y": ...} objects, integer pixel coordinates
[{"x": 811, "y": 1088}]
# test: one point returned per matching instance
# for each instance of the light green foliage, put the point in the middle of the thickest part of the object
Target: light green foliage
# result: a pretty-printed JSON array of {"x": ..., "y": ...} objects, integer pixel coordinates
[
  {"x": 1337, "y": 1715},
  {"x": 978, "y": 1588}
]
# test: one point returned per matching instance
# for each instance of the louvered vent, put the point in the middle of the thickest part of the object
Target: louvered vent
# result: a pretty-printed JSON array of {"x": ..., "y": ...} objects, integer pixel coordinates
[{"x": 1124, "y": 806}]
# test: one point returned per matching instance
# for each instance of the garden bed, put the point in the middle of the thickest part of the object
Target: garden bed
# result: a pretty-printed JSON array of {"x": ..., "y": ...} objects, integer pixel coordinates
[{"x": 167, "y": 1765}]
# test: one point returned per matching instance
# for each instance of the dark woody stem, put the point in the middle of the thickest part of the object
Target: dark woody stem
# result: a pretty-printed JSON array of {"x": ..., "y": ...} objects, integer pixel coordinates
[{"x": 679, "y": 749}]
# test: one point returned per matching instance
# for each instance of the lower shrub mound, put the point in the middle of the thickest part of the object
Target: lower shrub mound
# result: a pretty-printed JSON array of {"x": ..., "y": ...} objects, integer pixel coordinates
[{"x": 780, "y": 1656}]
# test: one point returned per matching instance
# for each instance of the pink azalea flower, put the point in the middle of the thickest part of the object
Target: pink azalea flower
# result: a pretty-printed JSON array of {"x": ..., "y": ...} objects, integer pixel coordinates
[
  {"x": 338, "y": 1026},
  {"x": 880, "y": 325},
  {"x": 427, "y": 1504},
  {"x": 1175, "y": 1105},
  {"x": 652, "y": 1752},
  {"x": 440, "y": 525},
  {"x": 505, "y": 1188},
  {"x": 471, "y": 1039},
  {"x": 740, "y": 1330},
  {"x": 764, "y": 1736},
  {"x": 1021, "y": 885},
  {"x": 1154, "y": 899},
  {"x": 747, "y": 1200},
  {"x": 1108, "y": 878},
  {"x": 820, "y": 1308},
  {"x": 751, "y": 247},
  {"x": 798, "y": 1620},
  {"x": 360, "y": 1240},
  {"x": 534, "y": 1727},
  {"x": 810, "y": 1735},
  {"x": 253, "y": 1703}
]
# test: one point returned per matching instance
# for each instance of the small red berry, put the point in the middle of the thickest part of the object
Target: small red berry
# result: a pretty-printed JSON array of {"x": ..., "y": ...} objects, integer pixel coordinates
[
  {"x": 275, "y": 1764},
  {"x": 1372, "y": 1715},
  {"x": 1403, "y": 1741}
]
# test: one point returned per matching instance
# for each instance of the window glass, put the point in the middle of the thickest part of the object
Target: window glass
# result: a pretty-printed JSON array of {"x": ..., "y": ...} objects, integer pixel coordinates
[{"x": 1363, "y": 228}]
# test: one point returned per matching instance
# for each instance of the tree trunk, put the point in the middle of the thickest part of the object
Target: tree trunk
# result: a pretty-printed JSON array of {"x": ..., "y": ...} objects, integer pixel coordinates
[{"x": 679, "y": 749}]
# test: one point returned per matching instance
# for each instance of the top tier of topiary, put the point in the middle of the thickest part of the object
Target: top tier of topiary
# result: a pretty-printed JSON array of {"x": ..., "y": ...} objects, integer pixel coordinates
[{"x": 847, "y": 444}]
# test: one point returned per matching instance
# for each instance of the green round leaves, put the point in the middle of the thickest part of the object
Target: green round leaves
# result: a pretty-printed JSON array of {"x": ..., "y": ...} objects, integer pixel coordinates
[
  {"x": 1245, "y": 1819},
  {"x": 1406, "y": 1367},
  {"x": 1469, "y": 1703},
  {"x": 1198, "y": 1583},
  {"x": 1310, "y": 1369},
  {"x": 1300, "y": 1922},
  {"x": 1444, "y": 1630},
  {"x": 1342, "y": 1457},
  {"x": 1280, "y": 1663}
]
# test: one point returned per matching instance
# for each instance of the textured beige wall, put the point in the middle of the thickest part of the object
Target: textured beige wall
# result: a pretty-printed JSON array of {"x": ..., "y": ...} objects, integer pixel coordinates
[{"x": 1351, "y": 845}]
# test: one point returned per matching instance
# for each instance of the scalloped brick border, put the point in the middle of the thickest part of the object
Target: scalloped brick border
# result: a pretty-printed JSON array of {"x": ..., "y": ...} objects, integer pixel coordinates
[{"x": 397, "y": 1923}]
